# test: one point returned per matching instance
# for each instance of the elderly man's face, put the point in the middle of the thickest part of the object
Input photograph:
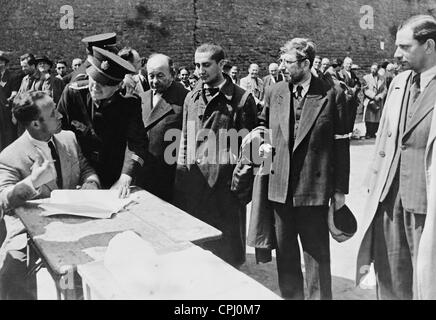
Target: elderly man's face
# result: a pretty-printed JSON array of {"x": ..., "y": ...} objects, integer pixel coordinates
[
  {"x": 325, "y": 64},
  {"x": 274, "y": 70},
  {"x": 2, "y": 65},
  {"x": 100, "y": 91},
  {"x": 76, "y": 64},
  {"x": 410, "y": 53},
  {"x": 347, "y": 64},
  {"x": 159, "y": 75},
  {"x": 253, "y": 71}
]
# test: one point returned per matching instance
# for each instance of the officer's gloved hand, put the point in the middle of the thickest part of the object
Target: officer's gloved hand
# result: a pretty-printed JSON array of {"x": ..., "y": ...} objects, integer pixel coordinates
[{"x": 123, "y": 185}]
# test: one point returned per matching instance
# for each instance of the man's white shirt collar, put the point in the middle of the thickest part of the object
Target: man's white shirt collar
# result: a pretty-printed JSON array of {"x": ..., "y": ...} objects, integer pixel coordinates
[
  {"x": 41, "y": 145},
  {"x": 305, "y": 84},
  {"x": 426, "y": 77}
]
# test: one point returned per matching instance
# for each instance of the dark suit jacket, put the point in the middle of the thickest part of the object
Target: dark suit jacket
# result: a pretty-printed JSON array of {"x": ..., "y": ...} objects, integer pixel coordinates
[
  {"x": 319, "y": 163},
  {"x": 8, "y": 131},
  {"x": 157, "y": 174}
]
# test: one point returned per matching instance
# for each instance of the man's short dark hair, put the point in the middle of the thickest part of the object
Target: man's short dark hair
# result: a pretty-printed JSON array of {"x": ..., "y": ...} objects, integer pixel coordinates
[
  {"x": 29, "y": 58},
  {"x": 423, "y": 27},
  {"x": 25, "y": 109},
  {"x": 62, "y": 62},
  {"x": 226, "y": 65},
  {"x": 216, "y": 50},
  {"x": 304, "y": 48}
]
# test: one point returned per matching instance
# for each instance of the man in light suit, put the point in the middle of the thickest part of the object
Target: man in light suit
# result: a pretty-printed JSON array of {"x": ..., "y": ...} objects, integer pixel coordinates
[
  {"x": 396, "y": 208},
  {"x": 253, "y": 84},
  {"x": 310, "y": 168},
  {"x": 42, "y": 159},
  {"x": 162, "y": 111},
  {"x": 273, "y": 77},
  {"x": 374, "y": 91}
]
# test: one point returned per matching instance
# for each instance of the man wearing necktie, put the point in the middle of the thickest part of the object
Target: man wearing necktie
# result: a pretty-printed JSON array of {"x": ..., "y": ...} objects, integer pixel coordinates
[
  {"x": 214, "y": 111},
  {"x": 42, "y": 159},
  {"x": 310, "y": 169},
  {"x": 396, "y": 208},
  {"x": 162, "y": 110}
]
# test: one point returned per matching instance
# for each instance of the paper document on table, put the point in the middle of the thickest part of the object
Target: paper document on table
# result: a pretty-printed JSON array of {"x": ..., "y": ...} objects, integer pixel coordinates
[{"x": 86, "y": 203}]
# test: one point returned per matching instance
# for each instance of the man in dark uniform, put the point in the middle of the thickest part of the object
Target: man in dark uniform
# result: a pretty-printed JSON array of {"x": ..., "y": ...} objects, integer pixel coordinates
[
  {"x": 106, "y": 122},
  {"x": 105, "y": 41}
]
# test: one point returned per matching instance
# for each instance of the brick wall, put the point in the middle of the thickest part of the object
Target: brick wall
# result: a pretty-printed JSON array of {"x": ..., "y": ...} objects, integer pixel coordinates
[{"x": 250, "y": 30}]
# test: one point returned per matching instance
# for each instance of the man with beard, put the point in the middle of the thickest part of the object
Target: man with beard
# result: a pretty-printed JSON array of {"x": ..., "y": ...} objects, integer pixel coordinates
[{"x": 310, "y": 168}]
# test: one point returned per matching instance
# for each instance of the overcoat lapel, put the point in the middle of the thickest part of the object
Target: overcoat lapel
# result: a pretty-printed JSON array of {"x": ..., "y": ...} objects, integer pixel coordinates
[
  {"x": 424, "y": 105},
  {"x": 313, "y": 105}
]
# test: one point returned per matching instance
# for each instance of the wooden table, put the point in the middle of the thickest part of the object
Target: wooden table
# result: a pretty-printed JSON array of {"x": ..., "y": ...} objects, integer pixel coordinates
[{"x": 63, "y": 242}]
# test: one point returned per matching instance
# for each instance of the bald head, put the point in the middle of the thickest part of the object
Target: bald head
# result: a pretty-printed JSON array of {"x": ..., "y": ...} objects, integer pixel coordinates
[
  {"x": 273, "y": 69},
  {"x": 159, "y": 71},
  {"x": 253, "y": 70}
]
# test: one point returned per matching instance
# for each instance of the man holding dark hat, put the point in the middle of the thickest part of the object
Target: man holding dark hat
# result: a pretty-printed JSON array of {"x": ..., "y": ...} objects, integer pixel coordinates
[
  {"x": 9, "y": 83},
  {"x": 105, "y": 121}
]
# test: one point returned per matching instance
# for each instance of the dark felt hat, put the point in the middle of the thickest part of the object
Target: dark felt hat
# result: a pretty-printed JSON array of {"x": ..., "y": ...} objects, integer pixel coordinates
[
  {"x": 102, "y": 40},
  {"x": 3, "y": 57},
  {"x": 39, "y": 59},
  {"x": 107, "y": 68},
  {"x": 342, "y": 223},
  {"x": 336, "y": 62}
]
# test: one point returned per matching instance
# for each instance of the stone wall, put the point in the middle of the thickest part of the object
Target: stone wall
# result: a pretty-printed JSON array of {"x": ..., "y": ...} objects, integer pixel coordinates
[{"x": 250, "y": 30}]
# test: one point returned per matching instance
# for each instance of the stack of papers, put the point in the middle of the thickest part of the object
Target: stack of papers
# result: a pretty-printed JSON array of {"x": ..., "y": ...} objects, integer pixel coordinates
[{"x": 100, "y": 204}]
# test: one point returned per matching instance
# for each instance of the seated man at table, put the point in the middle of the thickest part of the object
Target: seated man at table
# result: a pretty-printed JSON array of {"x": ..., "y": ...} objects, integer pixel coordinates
[{"x": 42, "y": 159}]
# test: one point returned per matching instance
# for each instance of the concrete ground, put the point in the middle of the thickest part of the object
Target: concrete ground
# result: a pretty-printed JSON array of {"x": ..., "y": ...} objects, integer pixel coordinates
[{"x": 343, "y": 255}]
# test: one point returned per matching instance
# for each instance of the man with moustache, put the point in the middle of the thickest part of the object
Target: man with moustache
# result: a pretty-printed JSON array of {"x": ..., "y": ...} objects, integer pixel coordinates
[
  {"x": 310, "y": 169},
  {"x": 106, "y": 122},
  {"x": 395, "y": 212},
  {"x": 161, "y": 112},
  {"x": 214, "y": 111}
]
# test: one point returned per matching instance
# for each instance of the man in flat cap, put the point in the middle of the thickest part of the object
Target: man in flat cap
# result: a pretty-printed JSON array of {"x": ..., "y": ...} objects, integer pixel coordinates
[{"x": 105, "y": 121}]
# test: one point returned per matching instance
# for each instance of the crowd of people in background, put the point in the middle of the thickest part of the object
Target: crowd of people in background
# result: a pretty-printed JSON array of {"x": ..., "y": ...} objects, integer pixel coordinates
[{"x": 106, "y": 125}]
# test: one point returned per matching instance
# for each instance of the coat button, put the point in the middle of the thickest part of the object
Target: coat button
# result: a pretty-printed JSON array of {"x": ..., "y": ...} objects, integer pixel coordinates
[
  {"x": 272, "y": 171},
  {"x": 403, "y": 147},
  {"x": 382, "y": 154},
  {"x": 389, "y": 134}
]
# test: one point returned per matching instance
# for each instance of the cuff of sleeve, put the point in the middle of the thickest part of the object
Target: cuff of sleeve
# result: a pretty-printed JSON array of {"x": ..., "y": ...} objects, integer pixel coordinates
[{"x": 28, "y": 182}]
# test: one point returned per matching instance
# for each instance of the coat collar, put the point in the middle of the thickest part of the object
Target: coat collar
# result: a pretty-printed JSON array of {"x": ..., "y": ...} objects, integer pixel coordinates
[
  {"x": 169, "y": 99},
  {"x": 227, "y": 90}
]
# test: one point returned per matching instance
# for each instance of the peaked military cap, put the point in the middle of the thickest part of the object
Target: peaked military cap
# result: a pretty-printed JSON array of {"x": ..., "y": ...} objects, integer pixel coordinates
[
  {"x": 102, "y": 40},
  {"x": 107, "y": 68}
]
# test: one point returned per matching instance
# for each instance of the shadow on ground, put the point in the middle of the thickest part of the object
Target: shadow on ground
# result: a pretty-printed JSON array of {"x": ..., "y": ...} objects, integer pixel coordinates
[{"x": 266, "y": 274}]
